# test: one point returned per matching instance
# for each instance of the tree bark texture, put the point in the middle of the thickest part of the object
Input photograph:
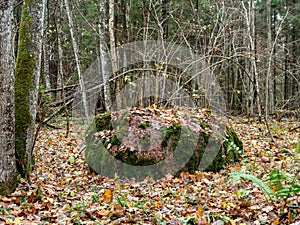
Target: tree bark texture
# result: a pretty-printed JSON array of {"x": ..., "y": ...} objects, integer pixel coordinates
[
  {"x": 27, "y": 72},
  {"x": 78, "y": 66},
  {"x": 8, "y": 172},
  {"x": 111, "y": 26},
  {"x": 103, "y": 56}
]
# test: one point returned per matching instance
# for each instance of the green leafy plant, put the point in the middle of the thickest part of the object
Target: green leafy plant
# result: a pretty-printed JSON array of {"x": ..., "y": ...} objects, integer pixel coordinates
[
  {"x": 233, "y": 147},
  {"x": 122, "y": 201},
  {"x": 297, "y": 148},
  {"x": 237, "y": 175},
  {"x": 188, "y": 220},
  {"x": 23, "y": 200},
  {"x": 95, "y": 198},
  {"x": 284, "y": 183},
  {"x": 241, "y": 193},
  {"x": 2, "y": 209}
]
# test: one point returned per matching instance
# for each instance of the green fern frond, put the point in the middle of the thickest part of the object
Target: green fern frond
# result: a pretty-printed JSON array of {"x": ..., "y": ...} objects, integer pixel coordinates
[{"x": 237, "y": 175}]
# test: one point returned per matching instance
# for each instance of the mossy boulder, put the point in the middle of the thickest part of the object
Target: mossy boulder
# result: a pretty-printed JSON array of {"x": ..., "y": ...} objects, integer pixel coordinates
[{"x": 154, "y": 142}]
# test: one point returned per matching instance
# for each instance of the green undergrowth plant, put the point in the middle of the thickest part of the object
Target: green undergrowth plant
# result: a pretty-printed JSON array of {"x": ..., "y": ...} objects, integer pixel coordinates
[
  {"x": 279, "y": 185},
  {"x": 285, "y": 184},
  {"x": 297, "y": 149},
  {"x": 237, "y": 175}
]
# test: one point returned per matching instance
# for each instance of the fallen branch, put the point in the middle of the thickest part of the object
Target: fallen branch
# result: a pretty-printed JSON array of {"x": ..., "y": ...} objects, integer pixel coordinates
[
  {"x": 295, "y": 128},
  {"x": 60, "y": 89},
  {"x": 56, "y": 112},
  {"x": 61, "y": 102}
]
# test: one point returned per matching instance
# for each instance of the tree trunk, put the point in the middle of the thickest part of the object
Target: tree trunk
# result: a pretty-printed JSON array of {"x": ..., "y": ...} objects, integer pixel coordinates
[
  {"x": 274, "y": 62},
  {"x": 58, "y": 24},
  {"x": 295, "y": 68},
  {"x": 251, "y": 28},
  {"x": 269, "y": 94},
  {"x": 103, "y": 58},
  {"x": 111, "y": 22},
  {"x": 46, "y": 70},
  {"x": 27, "y": 73},
  {"x": 61, "y": 95},
  {"x": 8, "y": 173},
  {"x": 164, "y": 24},
  {"x": 286, "y": 68},
  {"x": 78, "y": 66}
]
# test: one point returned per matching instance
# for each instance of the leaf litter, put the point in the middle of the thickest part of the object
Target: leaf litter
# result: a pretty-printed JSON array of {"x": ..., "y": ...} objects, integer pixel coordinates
[{"x": 64, "y": 192}]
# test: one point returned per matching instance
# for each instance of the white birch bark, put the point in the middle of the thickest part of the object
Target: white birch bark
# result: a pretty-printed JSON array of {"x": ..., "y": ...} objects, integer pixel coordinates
[
  {"x": 249, "y": 15},
  {"x": 103, "y": 58},
  {"x": 46, "y": 65},
  {"x": 59, "y": 80},
  {"x": 111, "y": 24},
  {"x": 76, "y": 55},
  {"x": 46, "y": 56},
  {"x": 269, "y": 99}
]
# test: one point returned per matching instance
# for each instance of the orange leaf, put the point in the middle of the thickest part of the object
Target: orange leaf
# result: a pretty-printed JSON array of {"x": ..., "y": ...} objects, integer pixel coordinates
[
  {"x": 158, "y": 204},
  {"x": 108, "y": 196},
  {"x": 200, "y": 210},
  {"x": 49, "y": 142},
  {"x": 199, "y": 175}
]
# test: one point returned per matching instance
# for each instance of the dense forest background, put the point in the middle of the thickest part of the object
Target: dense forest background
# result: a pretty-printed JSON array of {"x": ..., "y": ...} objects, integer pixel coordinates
[{"x": 252, "y": 47}]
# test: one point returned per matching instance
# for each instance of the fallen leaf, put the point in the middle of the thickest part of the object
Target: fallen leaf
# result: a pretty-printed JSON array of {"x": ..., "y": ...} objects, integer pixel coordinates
[
  {"x": 200, "y": 210},
  {"x": 108, "y": 196}
]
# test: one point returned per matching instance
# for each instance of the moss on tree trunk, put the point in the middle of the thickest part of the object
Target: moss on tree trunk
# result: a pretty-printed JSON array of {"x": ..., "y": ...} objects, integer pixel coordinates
[
  {"x": 9, "y": 186},
  {"x": 25, "y": 66}
]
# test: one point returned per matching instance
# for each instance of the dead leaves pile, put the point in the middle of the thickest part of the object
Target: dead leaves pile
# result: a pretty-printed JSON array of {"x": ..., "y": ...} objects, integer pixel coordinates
[{"x": 63, "y": 191}]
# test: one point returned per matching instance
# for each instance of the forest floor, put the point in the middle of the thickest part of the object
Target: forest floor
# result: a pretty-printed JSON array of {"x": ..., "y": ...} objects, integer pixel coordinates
[{"x": 64, "y": 192}]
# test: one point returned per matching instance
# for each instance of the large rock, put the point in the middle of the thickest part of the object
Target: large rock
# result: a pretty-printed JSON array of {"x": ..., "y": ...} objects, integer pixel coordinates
[{"x": 153, "y": 142}]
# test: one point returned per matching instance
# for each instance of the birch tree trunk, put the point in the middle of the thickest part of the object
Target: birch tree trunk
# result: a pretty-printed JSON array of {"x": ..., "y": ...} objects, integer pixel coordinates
[
  {"x": 269, "y": 99},
  {"x": 60, "y": 75},
  {"x": 111, "y": 25},
  {"x": 27, "y": 74},
  {"x": 250, "y": 26},
  {"x": 8, "y": 173},
  {"x": 76, "y": 54},
  {"x": 58, "y": 22},
  {"x": 46, "y": 48},
  {"x": 103, "y": 58}
]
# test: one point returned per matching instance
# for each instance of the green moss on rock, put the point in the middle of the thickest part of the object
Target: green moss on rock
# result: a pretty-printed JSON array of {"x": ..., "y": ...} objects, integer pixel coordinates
[
  {"x": 173, "y": 132},
  {"x": 103, "y": 122},
  {"x": 185, "y": 145},
  {"x": 115, "y": 141},
  {"x": 144, "y": 125}
]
